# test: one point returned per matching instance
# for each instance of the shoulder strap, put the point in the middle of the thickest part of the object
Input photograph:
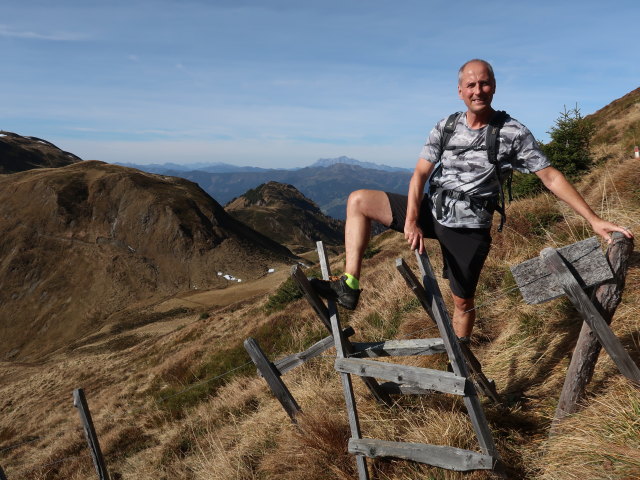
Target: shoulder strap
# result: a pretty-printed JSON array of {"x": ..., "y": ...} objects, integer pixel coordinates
[
  {"x": 449, "y": 128},
  {"x": 493, "y": 134},
  {"x": 493, "y": 144}
]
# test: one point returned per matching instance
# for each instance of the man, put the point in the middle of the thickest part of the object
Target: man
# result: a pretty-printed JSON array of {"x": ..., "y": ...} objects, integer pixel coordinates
[{"x": 458, "y": 208}]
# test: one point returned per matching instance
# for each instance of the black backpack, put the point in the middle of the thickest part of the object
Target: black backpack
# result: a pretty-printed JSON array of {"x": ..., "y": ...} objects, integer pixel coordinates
[{"x": 492, "y": 146}]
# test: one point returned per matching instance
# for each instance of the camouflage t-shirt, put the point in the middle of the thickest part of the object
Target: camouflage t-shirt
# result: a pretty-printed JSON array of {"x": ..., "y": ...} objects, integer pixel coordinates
[{"x": 466, "y": 167}]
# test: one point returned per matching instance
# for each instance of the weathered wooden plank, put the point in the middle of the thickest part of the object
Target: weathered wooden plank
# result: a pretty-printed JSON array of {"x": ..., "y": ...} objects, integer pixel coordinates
[
  {"x": 272, "y": 377},
  {"x": 445, "y": 382},
  {"x": 590, "y": 314},
  {"x": 433, "y": 297},
  {"x": 341, "y": 352},
  {"x": 292, "y": 361},
  {"x": 80, "y": 402},
  {"x": 310, "y": 294},
  {"x": 439, "y": 456},
  {"x": 588, "y": 264},
  {"x": 399, "y": 348},
  {"x": 393, "y": 388},
  {"x": 606, "y": 298}
]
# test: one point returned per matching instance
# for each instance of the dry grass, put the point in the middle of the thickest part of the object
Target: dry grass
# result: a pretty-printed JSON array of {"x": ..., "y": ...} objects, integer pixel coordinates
[{"x": 237, "y": 430}]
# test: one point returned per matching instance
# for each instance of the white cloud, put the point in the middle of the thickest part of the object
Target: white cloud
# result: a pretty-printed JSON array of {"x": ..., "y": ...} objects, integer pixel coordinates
[{"x": 6, "y": 31}]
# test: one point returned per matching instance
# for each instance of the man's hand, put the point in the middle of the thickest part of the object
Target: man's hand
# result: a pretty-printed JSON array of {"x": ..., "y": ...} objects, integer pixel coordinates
[
  {"x": 413, "y": 234},
  {"x": 605, "y": 228}
]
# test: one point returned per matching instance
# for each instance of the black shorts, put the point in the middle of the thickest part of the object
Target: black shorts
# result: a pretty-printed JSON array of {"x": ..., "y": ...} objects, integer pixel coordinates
[{"x": 464, "y": 250}]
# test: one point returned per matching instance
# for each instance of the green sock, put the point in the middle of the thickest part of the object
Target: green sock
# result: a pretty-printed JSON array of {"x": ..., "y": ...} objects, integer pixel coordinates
[{"x": 352, "y": 282}]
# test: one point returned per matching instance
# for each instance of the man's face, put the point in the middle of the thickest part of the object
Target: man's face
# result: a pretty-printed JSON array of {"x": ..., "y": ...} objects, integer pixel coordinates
[{"x": 476, "y": 88}]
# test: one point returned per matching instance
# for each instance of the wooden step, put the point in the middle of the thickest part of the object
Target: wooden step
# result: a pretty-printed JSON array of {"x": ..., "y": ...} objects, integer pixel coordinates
[
  {"x": 424, "y": 378},
  {"x": 399, "y": 348},
  {"x": 437, "y": 455}
]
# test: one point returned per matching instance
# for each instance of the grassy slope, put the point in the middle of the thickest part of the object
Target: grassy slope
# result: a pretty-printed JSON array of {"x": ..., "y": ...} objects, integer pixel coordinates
[{"x": 232, "y": 428}]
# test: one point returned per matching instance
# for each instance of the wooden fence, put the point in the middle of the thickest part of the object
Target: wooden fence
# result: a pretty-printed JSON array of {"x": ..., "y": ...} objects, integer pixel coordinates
[{"x": 566, "y": 271}]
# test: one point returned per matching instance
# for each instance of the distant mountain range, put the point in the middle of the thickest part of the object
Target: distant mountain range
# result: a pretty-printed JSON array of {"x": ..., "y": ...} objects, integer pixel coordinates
[
  {"x": 219, "y": 167},
  {"x": 328, "y": 182}
]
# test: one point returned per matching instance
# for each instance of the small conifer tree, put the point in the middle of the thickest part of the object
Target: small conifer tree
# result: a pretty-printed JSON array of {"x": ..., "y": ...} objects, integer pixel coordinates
[{"x": 568, "y": 149}]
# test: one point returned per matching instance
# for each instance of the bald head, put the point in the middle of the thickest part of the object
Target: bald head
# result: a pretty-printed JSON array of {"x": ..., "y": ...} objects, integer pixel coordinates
[{"x": 476, "y": 60}]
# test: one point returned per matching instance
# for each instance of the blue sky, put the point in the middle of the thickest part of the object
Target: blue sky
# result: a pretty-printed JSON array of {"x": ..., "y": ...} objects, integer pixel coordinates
[{"x": 279, "y": 83}]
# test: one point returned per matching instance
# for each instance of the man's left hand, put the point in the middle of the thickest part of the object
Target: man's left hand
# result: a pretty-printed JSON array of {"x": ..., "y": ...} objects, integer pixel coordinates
[{"x": 605, "y": 229}]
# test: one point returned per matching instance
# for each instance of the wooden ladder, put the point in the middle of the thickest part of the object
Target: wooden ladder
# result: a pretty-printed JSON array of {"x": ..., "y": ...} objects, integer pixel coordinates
[{"x": 355, "y": 359}]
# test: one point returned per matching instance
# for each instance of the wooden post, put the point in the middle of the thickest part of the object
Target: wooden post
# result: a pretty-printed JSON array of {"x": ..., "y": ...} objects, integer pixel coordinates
[
  {"x": 594, "y": 319},
  {"x": 606, "y": 298},
  {"x": 272, "y": 376},
  {"x": 342, "y": 352},
  {"x": 80, "y": 402}
]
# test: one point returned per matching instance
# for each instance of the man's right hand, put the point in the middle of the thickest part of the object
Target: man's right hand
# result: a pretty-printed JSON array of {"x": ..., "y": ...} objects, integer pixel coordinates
[{"x": 413, "y": 235}]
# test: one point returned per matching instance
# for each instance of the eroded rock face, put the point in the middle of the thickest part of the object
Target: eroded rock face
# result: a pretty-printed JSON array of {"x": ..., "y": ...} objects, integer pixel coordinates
[
  {"x": 18, "y": 153},
  {"x": 80, "y": 242}
]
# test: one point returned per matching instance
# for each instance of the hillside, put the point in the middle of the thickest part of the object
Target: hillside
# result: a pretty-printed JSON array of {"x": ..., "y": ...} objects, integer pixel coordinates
[
  {"x": 283, "y": 214},
  {"x": 173, "y": 394},
  {"x": 82, "y": 242},
  {"x": 18, "y": 153}
]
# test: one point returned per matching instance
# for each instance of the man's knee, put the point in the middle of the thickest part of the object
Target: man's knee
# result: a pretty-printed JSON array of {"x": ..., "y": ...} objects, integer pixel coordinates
[
  {"x": 372, "y": 204},
  {"x": 358, "y": 200},
  {"x": 463, "y": 304}
]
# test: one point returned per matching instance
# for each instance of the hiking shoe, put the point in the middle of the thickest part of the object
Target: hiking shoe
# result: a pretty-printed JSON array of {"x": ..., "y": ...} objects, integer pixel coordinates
[{"x": 336, "y": 289}]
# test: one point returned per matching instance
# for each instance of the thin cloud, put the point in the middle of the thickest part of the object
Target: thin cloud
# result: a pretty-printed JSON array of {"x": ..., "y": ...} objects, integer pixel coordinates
[{"x": 6, "y": 31}]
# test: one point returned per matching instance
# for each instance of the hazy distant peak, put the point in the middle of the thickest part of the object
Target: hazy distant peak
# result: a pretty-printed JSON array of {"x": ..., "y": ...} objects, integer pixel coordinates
[{"x": 328, "y": 162}]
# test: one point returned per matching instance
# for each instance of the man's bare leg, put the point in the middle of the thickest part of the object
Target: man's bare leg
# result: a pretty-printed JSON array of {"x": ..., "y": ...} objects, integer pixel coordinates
[
  {"x": 464, "y": 316},
  {"x": 363, "y": 206}
]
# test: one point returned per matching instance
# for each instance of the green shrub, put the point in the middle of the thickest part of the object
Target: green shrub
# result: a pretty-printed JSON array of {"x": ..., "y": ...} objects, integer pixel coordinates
[{"x": 287, "y": 292}]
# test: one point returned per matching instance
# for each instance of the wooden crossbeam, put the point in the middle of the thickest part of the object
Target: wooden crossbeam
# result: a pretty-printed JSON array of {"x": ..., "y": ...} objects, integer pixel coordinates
[
  {"x": 588, "y": 264},
  {"x": 450, "y": 458},
  {"x": 393, "y": 388},
  {"x": 440, "y": 381},
  {"x": 399, "y": 348},
  {"x": 292, "y": 361}
]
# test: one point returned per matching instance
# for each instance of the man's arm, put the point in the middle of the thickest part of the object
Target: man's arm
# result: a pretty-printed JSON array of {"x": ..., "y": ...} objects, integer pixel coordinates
[
  {"x": 412, "y": 231},
  {"x": 556, "y": 182}
]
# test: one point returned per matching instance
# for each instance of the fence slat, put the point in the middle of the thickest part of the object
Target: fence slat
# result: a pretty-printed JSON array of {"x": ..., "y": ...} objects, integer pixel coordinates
[
  {"x": 272, "y": 377},
  {"x": 426, "y": 378},
  {"x": 450, "y": 458},
  {"x": 399, "y": 348},
  {"x": 586, "y": 258},
  {"x": 80, "y": 402},
  {"x": 292, "y": 361}
]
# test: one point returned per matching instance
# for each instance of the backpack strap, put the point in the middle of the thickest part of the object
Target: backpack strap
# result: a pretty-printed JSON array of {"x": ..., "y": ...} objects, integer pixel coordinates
[
  {"x": 449, "y": 128},
  {"x": 493, "y": 145}
]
